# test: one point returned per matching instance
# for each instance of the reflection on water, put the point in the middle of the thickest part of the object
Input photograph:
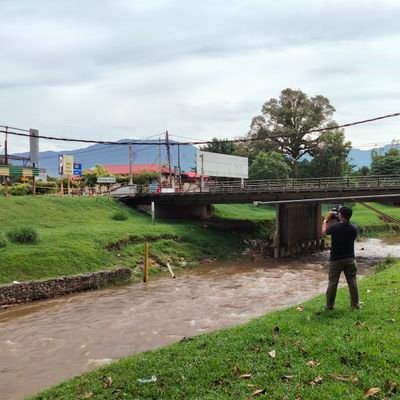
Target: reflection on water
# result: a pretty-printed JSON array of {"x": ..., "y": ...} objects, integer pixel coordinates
[{"x": 45, "y": 342}]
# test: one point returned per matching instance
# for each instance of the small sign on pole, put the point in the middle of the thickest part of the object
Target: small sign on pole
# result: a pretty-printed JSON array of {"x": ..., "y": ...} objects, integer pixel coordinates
[
  {"x": 146, "y": 263},
  {"x": 77, "y": 169},
  {"x": 106, "y": 179}
]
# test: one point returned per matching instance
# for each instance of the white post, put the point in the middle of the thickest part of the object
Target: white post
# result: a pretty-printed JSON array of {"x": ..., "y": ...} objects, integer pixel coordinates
[
  {"x": 202, "y": 173},
  {"x": 153, "y": 214}
]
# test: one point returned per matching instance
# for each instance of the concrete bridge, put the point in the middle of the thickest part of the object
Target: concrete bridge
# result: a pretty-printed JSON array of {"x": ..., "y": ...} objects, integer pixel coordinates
[{"x": 298, "y": 202}]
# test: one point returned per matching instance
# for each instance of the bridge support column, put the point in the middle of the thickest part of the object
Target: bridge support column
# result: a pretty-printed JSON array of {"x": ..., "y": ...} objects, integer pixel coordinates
[{"x": 298, "y": 229}]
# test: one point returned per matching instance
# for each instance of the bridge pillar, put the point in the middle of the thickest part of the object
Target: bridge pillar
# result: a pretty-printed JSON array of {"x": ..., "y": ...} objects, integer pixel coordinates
[{"x": 298, "y": 229}]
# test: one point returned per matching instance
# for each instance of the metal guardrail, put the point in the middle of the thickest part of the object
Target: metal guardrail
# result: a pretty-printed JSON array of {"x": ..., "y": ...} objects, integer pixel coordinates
[{"x": 292, "y": 185}]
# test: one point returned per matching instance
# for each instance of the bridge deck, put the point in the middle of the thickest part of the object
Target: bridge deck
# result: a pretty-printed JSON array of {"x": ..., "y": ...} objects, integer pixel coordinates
[{"x": 319, "y": 190}]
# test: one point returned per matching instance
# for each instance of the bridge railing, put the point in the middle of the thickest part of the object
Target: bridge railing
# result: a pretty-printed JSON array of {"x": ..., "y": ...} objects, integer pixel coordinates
[
  {"x": 293, "y": 185},
  {"x": 307, "y": 184}
]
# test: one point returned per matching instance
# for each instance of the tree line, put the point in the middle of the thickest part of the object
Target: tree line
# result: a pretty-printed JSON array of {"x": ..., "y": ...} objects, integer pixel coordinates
[{"x": 280, "y": 146}]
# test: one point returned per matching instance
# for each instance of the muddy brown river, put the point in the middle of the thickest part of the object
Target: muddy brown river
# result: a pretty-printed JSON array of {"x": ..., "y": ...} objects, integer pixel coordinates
[{"x": 45, "y": 342}]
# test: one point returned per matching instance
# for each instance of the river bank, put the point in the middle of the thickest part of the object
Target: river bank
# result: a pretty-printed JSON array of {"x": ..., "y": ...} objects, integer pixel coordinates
[
  {"x": 79, "y": 235},
  {"x": 62, "y": 337}
]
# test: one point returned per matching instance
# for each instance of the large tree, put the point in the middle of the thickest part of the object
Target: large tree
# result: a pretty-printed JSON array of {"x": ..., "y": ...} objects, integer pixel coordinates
[{"x": 286, "y": 122}]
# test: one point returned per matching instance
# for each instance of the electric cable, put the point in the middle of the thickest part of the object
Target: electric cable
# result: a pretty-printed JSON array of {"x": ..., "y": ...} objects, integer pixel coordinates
[{"x": 142, "y": 143}]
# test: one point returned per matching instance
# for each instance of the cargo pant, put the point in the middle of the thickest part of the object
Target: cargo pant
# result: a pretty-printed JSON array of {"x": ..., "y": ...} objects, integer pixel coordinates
[{"x": 349, "y": 267}]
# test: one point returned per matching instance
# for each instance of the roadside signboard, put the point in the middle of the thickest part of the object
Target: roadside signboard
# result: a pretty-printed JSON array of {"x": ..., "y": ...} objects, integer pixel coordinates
[
  {"x": 106, "y": 179},
  {"x": 77, "y": 169},
  {"x": 223, "y": 165},
  {"x": 68, "y": 165}
]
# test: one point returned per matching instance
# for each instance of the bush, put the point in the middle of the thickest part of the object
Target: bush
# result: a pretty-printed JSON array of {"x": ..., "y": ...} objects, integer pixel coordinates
[
  {"x": 46, "y": 187},
  {"x": 3, "y": 241},
  {"x": 20, "y": 189},
  {"x": 120, "y": 216},
  {"x": 24, "y": 235}
]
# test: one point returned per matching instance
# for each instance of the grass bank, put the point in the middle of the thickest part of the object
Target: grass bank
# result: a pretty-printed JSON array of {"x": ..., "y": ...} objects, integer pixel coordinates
[
  {"x": 79, "y": 235},
  {"x": 244, "y": 212},
  {"x": 315, "y": 354}
]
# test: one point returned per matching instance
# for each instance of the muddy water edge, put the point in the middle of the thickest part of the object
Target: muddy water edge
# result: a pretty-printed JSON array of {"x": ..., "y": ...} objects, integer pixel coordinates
[{"x": 45, "y": 342}]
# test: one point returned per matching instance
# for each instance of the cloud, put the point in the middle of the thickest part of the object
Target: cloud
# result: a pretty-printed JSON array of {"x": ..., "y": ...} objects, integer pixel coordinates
[{"x": 107, "y": 70}]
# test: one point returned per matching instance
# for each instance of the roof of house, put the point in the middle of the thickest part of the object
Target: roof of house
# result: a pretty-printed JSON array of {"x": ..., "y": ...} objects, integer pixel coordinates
[{"x": 120, "y": 169}]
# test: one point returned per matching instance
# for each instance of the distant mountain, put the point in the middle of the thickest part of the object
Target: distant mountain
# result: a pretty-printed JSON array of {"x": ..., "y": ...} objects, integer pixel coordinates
[
  {"x": 359, "y": 158},
  {"x": 118, "y": 154},
  {"x": 149, "y": 154}
]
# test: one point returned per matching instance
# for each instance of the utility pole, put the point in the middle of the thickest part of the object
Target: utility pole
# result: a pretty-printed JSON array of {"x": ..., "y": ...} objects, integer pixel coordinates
[
  {"x": 159, "y": 160},
  {"x": 130, "y": 166},
  {"x": 168, "y": 157},
  {"x": 179, "y": 165},
  {"x": 5, "y": 148}
]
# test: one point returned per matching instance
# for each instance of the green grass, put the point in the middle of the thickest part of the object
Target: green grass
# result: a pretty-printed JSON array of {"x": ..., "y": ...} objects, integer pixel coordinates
[
  {"x": 352, "y": 351},
  {"x": 244, "y": 211},
  {"x": 75, "y": 232},
  {"x": 370, "y": 223}
]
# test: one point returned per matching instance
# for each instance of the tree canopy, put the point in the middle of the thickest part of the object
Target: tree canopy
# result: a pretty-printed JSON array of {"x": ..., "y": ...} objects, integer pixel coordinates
[
  {"x": 286, "y": 126},
  {"x": 222, "y": 146},
  {"x": 271, "y": 165},
  {"x": 286, "y": 123},
  {"x": 330, "y": 155},
  {"x": 386, "y": 164}
]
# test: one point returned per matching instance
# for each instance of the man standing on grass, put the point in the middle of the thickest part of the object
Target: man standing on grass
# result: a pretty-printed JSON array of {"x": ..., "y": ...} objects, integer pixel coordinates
[{"x": 343, "y": 235}]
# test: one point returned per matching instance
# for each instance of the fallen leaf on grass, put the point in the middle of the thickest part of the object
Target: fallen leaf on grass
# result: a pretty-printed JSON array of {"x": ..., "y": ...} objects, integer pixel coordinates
[
  {"x": 371, "y": 392},
  {"x": 392, "y": 386},
  {"x": 257, "y": 392},
  {"x": 317, "y": 380},
  {"x": 186, "y": 339},
  {"x": 272, "y": 353},
  {"x": 245, "y": 376},
  {"x": 345, "y": 378},
  {"x": 300, "y": 308},
  {"x": 303, "y": 350},
  {"x": 88, "y": 395},
  {"x": 107, "y": 381},
  {"x": 391, "y": 320},
  {"x": 359, "y": 323},
  {"x": 313, "y": 363}
]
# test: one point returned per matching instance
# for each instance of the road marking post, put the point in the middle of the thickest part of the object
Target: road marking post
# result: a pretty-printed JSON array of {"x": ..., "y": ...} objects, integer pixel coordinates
[{"x": 146, "y": 263}]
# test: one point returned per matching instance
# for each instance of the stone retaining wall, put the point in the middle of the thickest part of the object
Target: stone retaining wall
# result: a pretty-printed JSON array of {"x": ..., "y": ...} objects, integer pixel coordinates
[{"x": 36, "y": 290}]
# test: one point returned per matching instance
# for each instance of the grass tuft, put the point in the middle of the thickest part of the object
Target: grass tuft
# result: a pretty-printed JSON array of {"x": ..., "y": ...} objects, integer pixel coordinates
[
  {"x": 3, "y": 241},
  {"x": 23, "y": 235},
  {"x": 120, "y": 216}
]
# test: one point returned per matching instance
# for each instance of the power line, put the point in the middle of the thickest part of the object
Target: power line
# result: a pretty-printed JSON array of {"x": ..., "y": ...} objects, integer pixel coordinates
[{"x": 142, "y": 143}]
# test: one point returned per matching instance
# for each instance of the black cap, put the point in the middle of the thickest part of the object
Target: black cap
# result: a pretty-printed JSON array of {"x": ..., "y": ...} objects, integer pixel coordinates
[{"x": 346, "y": 212}]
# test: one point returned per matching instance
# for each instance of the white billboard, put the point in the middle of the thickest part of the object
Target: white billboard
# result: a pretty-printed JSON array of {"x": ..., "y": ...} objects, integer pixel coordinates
[{"x": 223, "y": 165}]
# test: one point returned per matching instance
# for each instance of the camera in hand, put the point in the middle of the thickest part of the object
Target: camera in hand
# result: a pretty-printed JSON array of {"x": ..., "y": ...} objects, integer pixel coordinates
[{"x": 335, "y": 213}]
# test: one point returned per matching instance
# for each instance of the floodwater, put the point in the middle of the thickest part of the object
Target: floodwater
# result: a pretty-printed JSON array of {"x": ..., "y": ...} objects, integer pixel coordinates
[{"x": 45, "y": 342}]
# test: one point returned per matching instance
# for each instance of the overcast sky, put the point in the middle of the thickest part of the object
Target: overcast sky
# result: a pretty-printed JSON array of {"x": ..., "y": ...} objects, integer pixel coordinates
[{"x": 118, "y": 69}]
